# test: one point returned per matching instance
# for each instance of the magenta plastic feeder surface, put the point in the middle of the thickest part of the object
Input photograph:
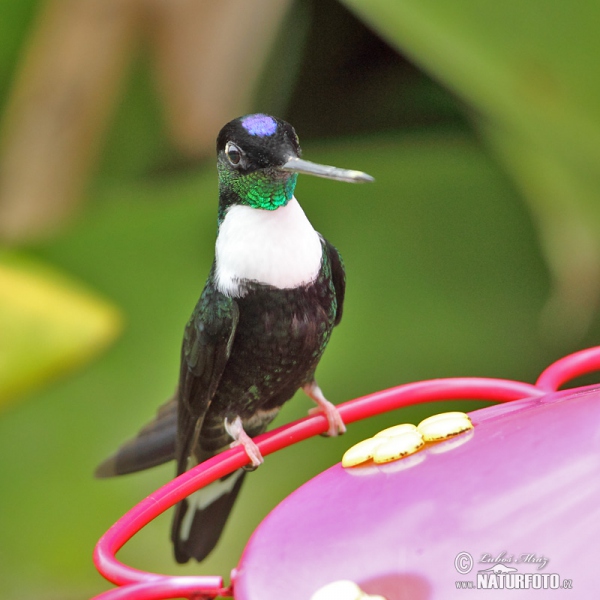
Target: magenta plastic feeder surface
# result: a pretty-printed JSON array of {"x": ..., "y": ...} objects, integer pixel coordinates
[{"x": 520, "y": 489}]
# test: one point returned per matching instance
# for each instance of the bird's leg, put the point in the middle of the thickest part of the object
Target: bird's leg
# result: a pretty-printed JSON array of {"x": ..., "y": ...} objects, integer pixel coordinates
[
  {"x": 336, "y": 424},
  {"x": 240, "y": 438}
]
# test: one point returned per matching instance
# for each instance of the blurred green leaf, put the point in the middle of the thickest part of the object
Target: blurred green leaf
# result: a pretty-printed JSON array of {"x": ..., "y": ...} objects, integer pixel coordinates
[
  {"x": 507, "y": 61},
  {"x": 15, "y": 18},
  {"x": 528, "y": 71},
  {"x": 48, "y": 325}
]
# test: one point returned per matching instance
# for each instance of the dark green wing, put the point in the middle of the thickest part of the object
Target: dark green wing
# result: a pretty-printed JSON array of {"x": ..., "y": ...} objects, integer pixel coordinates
[
  {"x": 338, "y": 275},
  {"x": 171, "y": 434},
  {"x": 206, "y": 348}
]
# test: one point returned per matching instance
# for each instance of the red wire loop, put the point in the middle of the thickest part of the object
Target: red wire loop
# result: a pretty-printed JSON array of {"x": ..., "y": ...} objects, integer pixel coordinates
[
  {"x": 568, "y": 368},
  {"x": 140, "y": 585}
]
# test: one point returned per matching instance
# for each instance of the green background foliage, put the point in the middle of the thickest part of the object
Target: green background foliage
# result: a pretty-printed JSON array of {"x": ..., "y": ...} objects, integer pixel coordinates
[{"x": 445, "y": 273}]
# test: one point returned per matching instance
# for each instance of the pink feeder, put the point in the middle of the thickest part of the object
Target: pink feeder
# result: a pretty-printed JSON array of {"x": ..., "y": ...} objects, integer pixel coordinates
[{"x": 511, "y": 504}]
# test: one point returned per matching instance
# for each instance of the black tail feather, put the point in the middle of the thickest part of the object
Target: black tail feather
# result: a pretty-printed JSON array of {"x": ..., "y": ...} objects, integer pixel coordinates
[{"x": 195, "y": 535}]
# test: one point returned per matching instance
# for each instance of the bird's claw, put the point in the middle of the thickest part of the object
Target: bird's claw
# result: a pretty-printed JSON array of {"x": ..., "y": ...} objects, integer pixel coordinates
[
  {"x": 252, "y": 451},
  {"x": 240, "y": 438},
  {"x": 336, "y": 423}
]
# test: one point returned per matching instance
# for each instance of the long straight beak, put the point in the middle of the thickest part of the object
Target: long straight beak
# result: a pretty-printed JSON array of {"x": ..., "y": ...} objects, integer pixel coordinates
[{"x": 297, "y": 165}]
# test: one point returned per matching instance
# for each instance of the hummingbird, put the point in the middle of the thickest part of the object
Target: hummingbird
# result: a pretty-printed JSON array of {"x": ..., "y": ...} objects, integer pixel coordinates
[{"x": 274, "y": 293}]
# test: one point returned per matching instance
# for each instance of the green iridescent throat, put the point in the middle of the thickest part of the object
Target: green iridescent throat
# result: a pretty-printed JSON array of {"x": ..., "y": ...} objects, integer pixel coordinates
[{"x": 258, "y": 190}]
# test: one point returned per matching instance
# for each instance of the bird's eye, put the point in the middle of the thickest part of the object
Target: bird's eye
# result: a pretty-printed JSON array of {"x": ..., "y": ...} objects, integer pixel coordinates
[{"x": 233, "y": 153}]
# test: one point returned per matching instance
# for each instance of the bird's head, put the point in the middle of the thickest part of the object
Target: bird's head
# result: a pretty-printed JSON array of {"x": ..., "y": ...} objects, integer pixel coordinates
[{"x": 258, "y": 160}]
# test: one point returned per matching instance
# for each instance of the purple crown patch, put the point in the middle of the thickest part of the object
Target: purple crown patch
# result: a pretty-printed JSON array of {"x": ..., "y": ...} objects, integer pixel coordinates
[{"x": 260, "y": 125}]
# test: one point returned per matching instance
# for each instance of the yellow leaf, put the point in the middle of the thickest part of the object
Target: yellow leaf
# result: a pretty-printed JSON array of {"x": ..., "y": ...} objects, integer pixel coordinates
[{"x": 48, "y": 325}]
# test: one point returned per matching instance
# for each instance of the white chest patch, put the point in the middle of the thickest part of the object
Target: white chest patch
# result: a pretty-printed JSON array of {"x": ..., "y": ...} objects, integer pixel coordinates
[{"x": 278, "y": 248}]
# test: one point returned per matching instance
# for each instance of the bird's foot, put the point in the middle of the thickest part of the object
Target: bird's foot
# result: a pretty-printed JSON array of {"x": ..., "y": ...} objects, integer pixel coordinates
[
  {"x": 240, "y": 438},
  {"x": 336, "y": 423}
]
